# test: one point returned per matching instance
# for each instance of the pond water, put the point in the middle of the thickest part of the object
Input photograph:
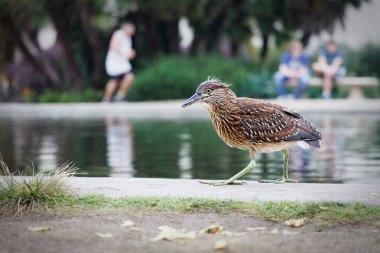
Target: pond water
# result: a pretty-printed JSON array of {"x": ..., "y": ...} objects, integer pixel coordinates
[{"x": 119, "y": 147}]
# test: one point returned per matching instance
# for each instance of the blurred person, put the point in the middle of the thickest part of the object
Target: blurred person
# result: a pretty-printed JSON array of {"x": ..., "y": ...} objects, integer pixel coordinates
[
  {"x": 294, "y": 67},
  {"x": 118, "y": 66},
  {"x": 120, "y": 154},
  {"x": 329, "y": 67}
]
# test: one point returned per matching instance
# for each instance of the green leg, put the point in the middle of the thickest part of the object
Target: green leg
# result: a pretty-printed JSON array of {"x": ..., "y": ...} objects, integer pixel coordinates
[
  {"x": 285, "y": 177},
  {"x": 231, "y": 180}
]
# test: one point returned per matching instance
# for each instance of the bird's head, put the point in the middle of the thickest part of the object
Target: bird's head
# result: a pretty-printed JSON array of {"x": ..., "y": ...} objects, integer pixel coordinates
[{"x": 210, "y": 92}]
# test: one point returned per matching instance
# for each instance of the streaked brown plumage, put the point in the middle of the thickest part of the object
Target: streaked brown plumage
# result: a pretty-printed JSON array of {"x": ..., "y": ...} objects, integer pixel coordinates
[{"x": 255, "y": 125}]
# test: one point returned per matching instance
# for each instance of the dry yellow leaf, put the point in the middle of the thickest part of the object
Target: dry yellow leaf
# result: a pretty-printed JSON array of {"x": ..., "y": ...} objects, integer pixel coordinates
[
  {"x": 220, "y": 245},
  {"x": 255, "y": 228},
  {"x": 273, "y": 231},
  {"x": 104, "y": 235},
  {"x": 170, "y": 234},
  {"x": 287, "y": 232},
  {"x": 213, "y": 229},
  {"x": 127, "y": 223},
  {"x": 228, "y": 233},
  {"x": 39, "y": 229},
  {"x": 295, "y": 222}
]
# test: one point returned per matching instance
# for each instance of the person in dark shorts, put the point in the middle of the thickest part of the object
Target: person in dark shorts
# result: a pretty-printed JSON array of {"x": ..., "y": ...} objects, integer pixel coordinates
[
  {"x": 329, "y": 67},
  {"x": 118, "y": 66}
]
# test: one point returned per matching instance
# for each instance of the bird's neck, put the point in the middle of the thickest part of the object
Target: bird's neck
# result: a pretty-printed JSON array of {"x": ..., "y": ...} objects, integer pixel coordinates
[{"x": 222, "y": 104}]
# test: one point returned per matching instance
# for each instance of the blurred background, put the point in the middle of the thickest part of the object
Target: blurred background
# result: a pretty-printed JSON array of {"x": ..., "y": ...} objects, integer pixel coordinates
[{"x": 54, "y": 50}]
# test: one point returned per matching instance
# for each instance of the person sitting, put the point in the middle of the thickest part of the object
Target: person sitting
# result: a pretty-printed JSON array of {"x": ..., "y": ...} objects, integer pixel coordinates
[
  {"x": 294, "y": 66},
  {"x": 329, "y": 67}
]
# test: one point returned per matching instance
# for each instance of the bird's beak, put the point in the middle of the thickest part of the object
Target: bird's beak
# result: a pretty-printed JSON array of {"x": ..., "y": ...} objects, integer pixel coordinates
[{"x": 197, "y": 97}]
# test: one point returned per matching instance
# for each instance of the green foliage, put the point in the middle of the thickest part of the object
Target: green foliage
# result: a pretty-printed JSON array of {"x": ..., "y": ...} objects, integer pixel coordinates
[
  {"x": 88, "y": 95},
  {"x": 258, "y": 85},
  {"x": 177, "y": 77},
  {"x": 364, "y": 61}
]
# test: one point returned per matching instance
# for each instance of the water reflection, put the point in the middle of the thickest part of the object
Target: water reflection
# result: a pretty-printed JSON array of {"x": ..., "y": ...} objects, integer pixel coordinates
[
  {"x": 119, "y": 147},
  {"x": 330, "y": 148},
  {"x": 29, "y": 144},
  {"x": 187, "y": 149},
  {"x": 47, "y": 153},
  {"x": 185, "y": 162}
]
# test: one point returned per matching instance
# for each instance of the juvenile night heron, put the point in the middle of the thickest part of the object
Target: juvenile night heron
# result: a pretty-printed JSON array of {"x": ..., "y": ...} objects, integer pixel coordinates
[{"x": 254, "y": 125}]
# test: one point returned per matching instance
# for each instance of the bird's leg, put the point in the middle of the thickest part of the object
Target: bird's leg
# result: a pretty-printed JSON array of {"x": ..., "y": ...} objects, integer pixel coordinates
[
  {"x": 231, "y": 180},
  {"x": 285, "y": 177}
]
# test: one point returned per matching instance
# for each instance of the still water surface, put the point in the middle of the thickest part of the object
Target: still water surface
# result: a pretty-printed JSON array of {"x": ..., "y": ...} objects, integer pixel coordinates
[{"x": 119, "y": 147}]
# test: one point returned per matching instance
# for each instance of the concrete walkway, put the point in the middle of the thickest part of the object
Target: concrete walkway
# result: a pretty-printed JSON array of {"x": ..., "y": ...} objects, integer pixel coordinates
[
  {"x": 251, "y": 191},
  {"x": 173, "y": 110}
]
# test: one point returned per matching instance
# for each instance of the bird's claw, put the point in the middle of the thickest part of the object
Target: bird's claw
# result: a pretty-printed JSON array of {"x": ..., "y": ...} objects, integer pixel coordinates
[
  {"x": 281, "y": 181},
  {"x": 223, "y": 183}
]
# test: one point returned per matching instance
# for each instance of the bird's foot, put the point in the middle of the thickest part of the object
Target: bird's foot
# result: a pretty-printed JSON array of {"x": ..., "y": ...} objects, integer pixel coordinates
[
  {"x": 281, "y": 181},
  {"x": 223, "y": 183}
]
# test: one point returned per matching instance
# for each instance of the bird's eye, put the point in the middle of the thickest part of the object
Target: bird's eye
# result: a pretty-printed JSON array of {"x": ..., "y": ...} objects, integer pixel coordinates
[{"x": 208, "y": 91}]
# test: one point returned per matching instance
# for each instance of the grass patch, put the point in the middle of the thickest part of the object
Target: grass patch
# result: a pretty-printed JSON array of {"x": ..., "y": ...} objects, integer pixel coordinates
[
  {"x": 273, "y": 211},
  {"x": 19, "y": 192}
]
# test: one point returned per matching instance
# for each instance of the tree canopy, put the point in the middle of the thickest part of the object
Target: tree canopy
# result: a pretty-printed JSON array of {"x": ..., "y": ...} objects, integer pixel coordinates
[{"x": 84, "y": 27}]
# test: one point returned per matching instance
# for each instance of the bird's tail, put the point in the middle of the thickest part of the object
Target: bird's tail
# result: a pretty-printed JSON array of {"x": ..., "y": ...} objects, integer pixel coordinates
[{"x": 314, "y": 143}]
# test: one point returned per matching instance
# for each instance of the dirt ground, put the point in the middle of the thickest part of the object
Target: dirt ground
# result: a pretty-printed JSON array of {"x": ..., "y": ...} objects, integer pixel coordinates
[{"x": 78, "y": 234}]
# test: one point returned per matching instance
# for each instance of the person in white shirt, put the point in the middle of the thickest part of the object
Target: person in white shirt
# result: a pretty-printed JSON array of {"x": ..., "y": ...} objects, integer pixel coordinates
[{"x": 118, "y": 67}]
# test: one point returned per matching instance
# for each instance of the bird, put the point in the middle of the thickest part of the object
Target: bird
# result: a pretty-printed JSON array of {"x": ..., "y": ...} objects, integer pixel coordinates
[{"x": 255, "y": 125}]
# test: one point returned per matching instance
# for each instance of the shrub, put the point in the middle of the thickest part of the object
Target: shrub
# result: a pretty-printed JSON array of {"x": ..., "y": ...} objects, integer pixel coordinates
[
  {"x": 364, "y": 61},
  {"x": 88, "y": 95},
  {"x": 258, "y": 85},
  {"x": 175, "y": 77}
]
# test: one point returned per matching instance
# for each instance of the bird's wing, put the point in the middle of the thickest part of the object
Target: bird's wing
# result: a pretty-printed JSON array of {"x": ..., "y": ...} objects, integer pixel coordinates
[{"x": 262, "y": 121}]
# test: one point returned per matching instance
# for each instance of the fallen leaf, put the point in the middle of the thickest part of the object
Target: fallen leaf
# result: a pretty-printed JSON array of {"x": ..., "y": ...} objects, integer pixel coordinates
[
  {"x": 288, "y": 232},
  {"x": 226, "y": 232},
  {"x": 127, "y": 223},
  {"x": 213, "y": 229},
  {"x": 104, "y": 235},
  {"x": 255, "y": 228},
  {"x": 295, "y": 222},
  {"x": 170, "y": 234},
  {"x": 220, "y": 245},
  {"x": 39, "y": 229},
  {"x": 273, "y": 231}
]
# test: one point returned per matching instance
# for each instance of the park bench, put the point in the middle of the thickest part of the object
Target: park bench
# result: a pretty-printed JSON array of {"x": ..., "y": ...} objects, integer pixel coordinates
[{"x": 356, "y": 84}]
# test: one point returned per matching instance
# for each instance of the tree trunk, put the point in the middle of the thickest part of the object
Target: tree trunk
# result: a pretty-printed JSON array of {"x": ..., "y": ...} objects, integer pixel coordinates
[
  {"x": 15, "y": 34},
  {"x": 91, "y": 34},
  {"x": 264, "y": 48},
  {"x": 305, "y": 38},
  {"x": 198, "y": 46},
  {"x": 175, "y": 39},
  {"x": 54, "y": 10}
]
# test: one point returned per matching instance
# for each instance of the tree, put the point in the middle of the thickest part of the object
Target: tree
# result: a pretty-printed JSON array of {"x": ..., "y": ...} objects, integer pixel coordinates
[
  {"x": 84, "y": 28},
  {"x": 15, "y": 21},
  {"x": 282, "y": 17}
]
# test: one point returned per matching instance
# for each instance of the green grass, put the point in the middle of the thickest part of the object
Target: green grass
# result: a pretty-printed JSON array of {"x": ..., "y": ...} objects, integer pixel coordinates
[
  {"x": 273, "y": 211},
  {"x": 19, "y": 192}
]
